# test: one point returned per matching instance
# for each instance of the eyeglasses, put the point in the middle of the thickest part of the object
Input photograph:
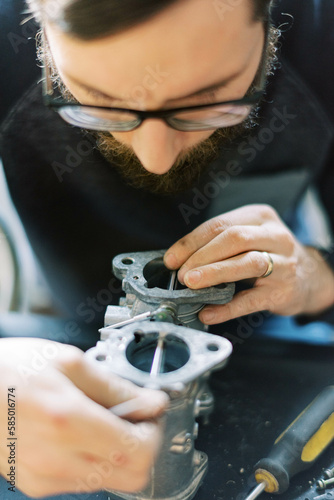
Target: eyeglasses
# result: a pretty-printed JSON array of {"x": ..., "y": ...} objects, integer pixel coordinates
[{"x": 185, "y": 119}]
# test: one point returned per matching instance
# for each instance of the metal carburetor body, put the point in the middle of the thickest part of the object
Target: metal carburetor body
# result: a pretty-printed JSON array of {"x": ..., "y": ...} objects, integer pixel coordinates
[{"x": 155, "y": 339}]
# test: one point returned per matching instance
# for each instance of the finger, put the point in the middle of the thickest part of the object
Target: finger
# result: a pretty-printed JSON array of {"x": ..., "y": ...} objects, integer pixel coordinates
[
  {"x": 55, "y": 462},
  {"x": 255, "y": 215},
  {"x": 38, "y": 486},
  {"x": 245, "y": 302},
  {"x": 137, "y": 409},
  {"x": 63, "y": 464},
  {"x": 101, "y": 475},
  {"x": 71, "y": 420},
  {"x": 248, "y": 265},
  {"x": 92, "y": 429},
  {"x": 108, "y": 390},
  {"x": 233, "y": 241}
]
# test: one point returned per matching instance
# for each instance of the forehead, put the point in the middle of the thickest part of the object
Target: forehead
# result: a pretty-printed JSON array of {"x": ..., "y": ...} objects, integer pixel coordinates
[{"x": 188, "y": 45}]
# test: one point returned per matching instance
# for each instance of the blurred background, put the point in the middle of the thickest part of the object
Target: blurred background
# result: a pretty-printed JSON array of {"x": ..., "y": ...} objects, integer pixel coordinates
[{"x": 21, "y": 284}]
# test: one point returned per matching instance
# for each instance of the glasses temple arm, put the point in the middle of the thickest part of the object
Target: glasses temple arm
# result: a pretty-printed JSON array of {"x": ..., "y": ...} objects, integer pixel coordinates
[{"x": 46, "y": 80}]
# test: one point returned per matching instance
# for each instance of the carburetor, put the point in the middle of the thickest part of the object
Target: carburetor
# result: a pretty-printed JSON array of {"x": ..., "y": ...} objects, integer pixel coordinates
[{"x": 155, "y": 339}]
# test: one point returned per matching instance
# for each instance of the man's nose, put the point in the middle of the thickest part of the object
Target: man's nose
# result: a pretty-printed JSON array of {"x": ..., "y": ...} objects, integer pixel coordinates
[{"x": 156, "y": 145}]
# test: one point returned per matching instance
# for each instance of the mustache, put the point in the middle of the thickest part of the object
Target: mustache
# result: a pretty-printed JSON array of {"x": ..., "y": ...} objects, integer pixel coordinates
[{"x": 186, "y": 171}]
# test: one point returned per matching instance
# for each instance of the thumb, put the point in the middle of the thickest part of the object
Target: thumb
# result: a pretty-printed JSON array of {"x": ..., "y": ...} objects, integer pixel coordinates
[{"x": 110, "y": 390}]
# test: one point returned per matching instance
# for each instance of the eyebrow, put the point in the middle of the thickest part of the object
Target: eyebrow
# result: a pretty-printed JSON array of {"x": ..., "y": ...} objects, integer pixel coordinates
[{"x": 197, "y": 93}]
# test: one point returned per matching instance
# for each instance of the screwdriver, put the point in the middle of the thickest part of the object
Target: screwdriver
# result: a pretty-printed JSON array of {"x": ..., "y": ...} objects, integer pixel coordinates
[{"x": 298, "y": 447}]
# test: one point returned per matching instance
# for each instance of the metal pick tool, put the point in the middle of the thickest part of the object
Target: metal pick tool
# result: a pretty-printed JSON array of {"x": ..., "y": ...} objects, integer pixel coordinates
[
  {"x": 139, "y": 317},
  {"x": 173, "y": 281},
  {"x": 158, "y": 357}
]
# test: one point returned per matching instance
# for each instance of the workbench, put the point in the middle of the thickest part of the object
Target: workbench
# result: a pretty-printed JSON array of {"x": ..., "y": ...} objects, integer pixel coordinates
[{"x": 265, "y": 385}]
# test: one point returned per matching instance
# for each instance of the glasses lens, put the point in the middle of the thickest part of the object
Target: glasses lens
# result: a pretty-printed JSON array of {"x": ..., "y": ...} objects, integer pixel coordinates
[
  {"x": 210, "y": 118},
  {"x": 99, "y": 119}
]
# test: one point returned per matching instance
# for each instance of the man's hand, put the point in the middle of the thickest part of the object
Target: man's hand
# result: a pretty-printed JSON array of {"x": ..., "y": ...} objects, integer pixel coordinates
[
  {"x": 229, "y": 248},
  {"x": 67, "y": 439}
]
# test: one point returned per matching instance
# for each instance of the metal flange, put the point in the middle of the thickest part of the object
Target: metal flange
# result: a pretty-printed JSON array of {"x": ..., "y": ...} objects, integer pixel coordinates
[{"x": 136, "y": 270}]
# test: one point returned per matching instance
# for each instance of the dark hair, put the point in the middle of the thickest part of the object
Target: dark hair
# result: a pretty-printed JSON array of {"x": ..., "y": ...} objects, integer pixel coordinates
[{"x": 89, "y": 19}]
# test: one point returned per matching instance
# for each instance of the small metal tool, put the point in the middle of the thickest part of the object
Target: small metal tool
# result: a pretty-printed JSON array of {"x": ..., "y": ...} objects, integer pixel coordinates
[
  {"x": 173, "y": 281},
  {"x": 323, "y": 484},
  {"x": 139, "y": 317},
  {"x": 158, "y": 357},
  {"x": 163, "y": 309},
  {"x": 329, "y": 473}
]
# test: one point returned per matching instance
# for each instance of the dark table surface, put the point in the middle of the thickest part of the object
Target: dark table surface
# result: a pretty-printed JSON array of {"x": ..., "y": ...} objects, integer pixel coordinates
[{"x": 263, "y": 388}]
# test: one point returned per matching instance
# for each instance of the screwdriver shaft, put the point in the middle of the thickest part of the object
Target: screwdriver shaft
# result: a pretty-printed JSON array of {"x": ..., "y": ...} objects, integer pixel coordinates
[{"x": 257, "y": 491}]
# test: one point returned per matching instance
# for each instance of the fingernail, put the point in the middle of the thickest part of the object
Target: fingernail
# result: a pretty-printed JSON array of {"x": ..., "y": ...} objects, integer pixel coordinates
[
  {"x": 181, "y": 280},
  {"x": 193, "y": 277},
  {"x": 208, "y": 316},
  {"x": 181, "y": 274},
  {"x": 171, "y": 261}
]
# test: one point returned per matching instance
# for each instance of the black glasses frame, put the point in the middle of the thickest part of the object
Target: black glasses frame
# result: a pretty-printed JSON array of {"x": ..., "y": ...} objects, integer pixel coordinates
[{"x": 160, "y": 114}]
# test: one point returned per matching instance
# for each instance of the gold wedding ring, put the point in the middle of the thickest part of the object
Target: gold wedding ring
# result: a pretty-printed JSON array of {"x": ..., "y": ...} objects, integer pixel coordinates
[{"x": 270, "y": 267}]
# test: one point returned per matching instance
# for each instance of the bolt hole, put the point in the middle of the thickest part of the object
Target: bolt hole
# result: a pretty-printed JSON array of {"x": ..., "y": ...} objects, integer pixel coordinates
[
  {"x": 136, "y": 277},
  {"x": 212, "y": 347},
  {"x": 101, "y": 357},
  {"x": 127, "y": 261}
]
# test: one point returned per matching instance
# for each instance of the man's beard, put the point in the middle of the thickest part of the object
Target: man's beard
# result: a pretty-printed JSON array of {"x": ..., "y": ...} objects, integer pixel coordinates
[
  {"x": 190, "y": 164},
  {"x": 184, "y": 173}
]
